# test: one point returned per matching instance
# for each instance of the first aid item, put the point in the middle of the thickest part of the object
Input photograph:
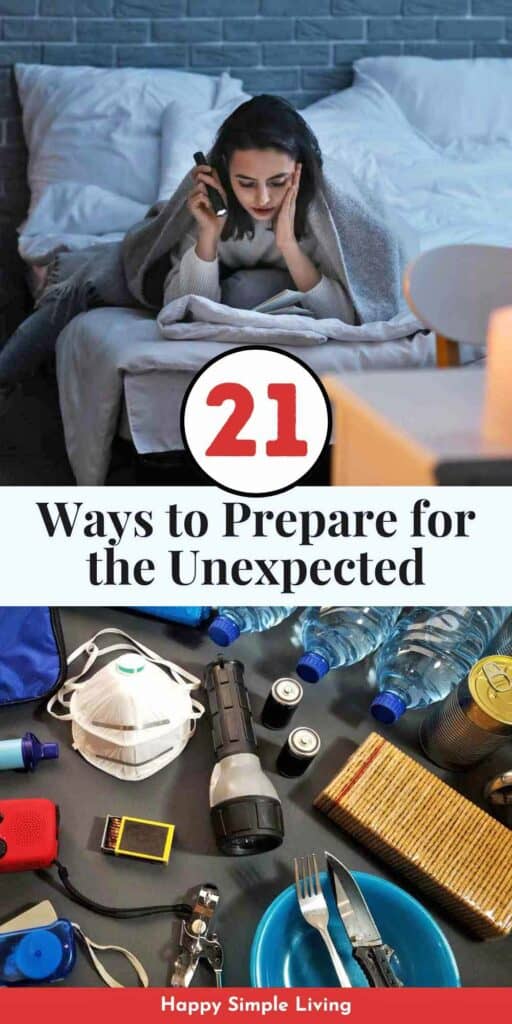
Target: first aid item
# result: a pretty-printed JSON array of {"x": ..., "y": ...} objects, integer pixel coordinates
[
  {"x": 298, "y": 752},
  {"x": 135, "y": 714},
  {"x": 137, "y": 837},
  {"x": 245, "y": 808},
  {"x": 229, "y": 623},
  {"x": 436, "y": 838},
  {"x": 198, "y": 941},
  {"x": 28, "y": 834},
  {"x": 25, "y": 753},
  {"x": 474, "y": 720},
  {"x": 429, "y": 651},
  {"x": 32, "y": 654},
  {"x": 335, "y": 637},
  {"x": 187, "y": 616},
  {"x": 281, "y": 703},
  {"x": 37, "y": 955}
]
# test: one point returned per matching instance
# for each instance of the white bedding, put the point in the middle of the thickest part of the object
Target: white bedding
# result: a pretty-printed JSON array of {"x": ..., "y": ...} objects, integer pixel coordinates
[
  {"x": 107, "y": 352},
  {"x": 458, "y": 193},
  {"x": 454, "y": 193}
]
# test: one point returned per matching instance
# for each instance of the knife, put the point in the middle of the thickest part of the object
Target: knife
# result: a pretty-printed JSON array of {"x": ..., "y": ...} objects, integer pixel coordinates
[{"x": 371, "y": 953}]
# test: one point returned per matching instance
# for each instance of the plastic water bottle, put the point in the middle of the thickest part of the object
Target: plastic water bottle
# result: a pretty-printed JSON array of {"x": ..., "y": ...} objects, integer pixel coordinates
[
  {"x": 333, "y": 637},
  {"x": 428, "y": 653},
  {"x": 230, "y": 622}
]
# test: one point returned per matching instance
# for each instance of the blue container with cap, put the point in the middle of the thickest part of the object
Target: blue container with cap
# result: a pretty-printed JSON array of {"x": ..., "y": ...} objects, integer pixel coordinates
[
  {"x": 229, "y": 622},
  {"x": 25, "y": 753},
  {"x": 37, "y": 955}
]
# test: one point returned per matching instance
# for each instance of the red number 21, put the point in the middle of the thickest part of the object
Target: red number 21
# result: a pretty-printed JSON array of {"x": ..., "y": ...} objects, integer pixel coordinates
[{"x": 228, "y": 443}]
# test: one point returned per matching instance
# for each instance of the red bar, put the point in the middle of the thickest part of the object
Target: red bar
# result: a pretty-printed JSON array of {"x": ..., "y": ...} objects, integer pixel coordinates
[{"x": 274, "y": 1006}]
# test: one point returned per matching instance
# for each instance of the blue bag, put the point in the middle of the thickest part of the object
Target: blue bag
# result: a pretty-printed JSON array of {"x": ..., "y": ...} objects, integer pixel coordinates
[
  {"x": 32, "y": 654},
  {"x": 191, "y": 615}
]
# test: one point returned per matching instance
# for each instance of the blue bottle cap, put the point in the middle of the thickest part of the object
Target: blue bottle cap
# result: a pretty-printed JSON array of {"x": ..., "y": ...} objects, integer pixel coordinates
[
  {"x": 312, "y": 666},
  {"x": 388, "y": 707},
  {"x": 38, "y": 954},
  {"x": 223, "y": 630}
]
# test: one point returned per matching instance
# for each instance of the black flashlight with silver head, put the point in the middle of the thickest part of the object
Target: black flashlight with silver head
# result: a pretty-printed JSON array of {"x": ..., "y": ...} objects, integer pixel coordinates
[{"x": 245, "y": 809}]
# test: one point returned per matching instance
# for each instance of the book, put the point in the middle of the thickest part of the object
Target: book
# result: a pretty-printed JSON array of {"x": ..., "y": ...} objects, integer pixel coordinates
[{"x": 283, "y": 302}]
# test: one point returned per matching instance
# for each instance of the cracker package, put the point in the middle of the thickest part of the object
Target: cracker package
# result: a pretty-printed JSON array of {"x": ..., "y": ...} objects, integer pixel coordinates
[{"x": 446, "y": 845}]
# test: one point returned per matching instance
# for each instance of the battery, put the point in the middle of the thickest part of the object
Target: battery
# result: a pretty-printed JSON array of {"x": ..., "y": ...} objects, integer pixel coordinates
[
  {"x": 475, "y": 719},
  {"x": 298, "y": 752},
  {"x": 137, "y": 837},
  {"x": 281, "y": 703}
]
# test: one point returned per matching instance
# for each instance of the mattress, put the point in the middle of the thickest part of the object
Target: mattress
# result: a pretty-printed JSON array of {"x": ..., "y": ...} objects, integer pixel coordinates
[{"x": 114, "y": 369}]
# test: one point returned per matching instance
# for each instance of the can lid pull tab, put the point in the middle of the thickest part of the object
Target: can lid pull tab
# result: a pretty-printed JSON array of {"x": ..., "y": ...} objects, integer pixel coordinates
[{"x": 497, "y": 677}]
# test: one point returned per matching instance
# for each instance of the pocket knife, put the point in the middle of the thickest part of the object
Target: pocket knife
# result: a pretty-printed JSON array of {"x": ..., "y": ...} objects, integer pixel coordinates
[{"x": 372, "y": 955}]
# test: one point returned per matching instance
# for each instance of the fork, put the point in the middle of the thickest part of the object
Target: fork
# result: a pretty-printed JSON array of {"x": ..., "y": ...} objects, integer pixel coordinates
[{"x": 313, "y": 907}]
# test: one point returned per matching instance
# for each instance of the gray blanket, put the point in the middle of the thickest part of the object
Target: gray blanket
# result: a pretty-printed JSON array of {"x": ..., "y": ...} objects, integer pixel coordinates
[
  {"x": 356, "y": 240},
  {"x": 352, "y": 229},
  {"x": 194, "y": 318}
]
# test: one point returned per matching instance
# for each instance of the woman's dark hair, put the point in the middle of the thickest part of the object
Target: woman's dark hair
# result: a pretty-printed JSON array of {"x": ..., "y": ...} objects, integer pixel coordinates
[{"x": 266, "y": 122}]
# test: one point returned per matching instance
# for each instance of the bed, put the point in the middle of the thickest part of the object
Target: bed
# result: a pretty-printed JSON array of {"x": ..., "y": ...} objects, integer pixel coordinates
[{"x": 433, "y": 137}]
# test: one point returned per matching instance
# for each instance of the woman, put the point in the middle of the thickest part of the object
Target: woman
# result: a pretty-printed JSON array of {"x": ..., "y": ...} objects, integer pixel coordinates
[
  {"x": 286, "y": 226},
  {"x": 266, "y": 164}
]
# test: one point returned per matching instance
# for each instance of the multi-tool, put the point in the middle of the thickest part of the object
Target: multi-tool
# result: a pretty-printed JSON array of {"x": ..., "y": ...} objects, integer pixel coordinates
[{"x": 198, "y": 941}]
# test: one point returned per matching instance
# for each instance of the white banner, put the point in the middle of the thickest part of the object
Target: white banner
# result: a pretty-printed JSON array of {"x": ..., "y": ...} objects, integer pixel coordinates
[{"x": 309, "y": 546}]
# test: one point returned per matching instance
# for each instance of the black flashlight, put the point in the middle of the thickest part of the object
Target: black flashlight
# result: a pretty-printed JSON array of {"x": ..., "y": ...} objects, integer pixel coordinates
[{"x": 245, "y": 809}]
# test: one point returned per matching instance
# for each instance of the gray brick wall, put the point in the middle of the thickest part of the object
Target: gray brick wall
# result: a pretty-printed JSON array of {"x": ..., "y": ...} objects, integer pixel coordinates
[{"x": 301, "y": 49}]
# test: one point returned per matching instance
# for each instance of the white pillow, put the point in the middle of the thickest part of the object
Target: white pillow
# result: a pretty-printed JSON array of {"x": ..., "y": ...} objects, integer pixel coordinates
[
  {"x": 182, "y": 137},
  {"x": 364, "y": 127},
  {"x": 447, "y": 100},
  {"x": 98, "y": 127},
  {"x": 68, "y": 206}
]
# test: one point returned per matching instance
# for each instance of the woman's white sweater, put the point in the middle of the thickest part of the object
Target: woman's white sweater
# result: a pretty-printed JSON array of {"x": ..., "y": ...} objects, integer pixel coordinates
[{"x": 190, "y": 275}]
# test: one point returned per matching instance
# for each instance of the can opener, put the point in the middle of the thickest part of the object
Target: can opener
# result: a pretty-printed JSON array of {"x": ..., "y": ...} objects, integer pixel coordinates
[{"x": 197, "y": 941}]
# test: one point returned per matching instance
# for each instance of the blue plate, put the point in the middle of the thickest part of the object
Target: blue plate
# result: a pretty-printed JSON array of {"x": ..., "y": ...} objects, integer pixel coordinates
[{"x": 287, "y": 952}]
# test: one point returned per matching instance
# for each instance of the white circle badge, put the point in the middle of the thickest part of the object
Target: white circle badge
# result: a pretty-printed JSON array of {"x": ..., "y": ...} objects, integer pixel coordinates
[{"x": 256, "y": 420}]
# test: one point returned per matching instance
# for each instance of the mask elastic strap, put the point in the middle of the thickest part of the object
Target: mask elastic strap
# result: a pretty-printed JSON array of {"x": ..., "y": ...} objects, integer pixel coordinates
[
  {"x": 197, "y": 712},
  {"x": 178, "y": 674},
  {"x": 101, "y": 970}
]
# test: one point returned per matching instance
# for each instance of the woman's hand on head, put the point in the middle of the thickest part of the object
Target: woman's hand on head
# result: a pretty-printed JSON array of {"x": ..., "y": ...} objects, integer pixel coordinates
[
  {"x": 200, "y": 206},
  {"x": 284, "y": 224}
]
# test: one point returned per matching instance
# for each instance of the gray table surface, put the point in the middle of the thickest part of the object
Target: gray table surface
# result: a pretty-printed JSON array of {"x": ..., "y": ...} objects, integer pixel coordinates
[{"x": 337, "y": 708}]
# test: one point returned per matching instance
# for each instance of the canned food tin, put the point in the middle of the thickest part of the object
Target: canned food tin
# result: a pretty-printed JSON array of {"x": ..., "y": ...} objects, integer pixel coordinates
[
  {"x": 281, "y": 703},
  {"x": 300, "y": 749},
  {"x": 475, "y": 719},
  {"x": 498, "y": 792}
]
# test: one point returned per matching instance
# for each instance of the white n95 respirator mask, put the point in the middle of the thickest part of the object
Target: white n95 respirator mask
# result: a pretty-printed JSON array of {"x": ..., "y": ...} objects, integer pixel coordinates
[{"x": 133, "y": 715}]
